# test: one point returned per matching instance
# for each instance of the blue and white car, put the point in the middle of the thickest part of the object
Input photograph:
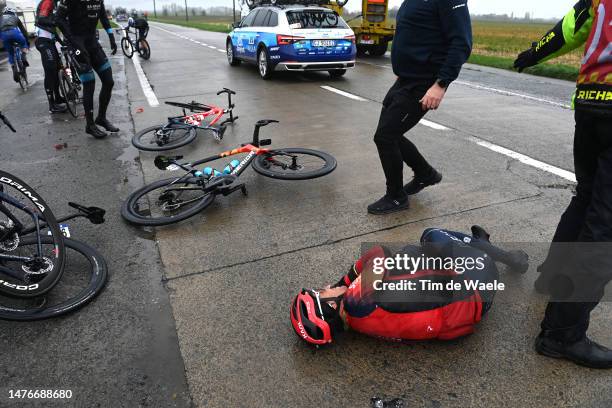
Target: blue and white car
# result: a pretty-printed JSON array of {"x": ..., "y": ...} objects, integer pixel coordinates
[{"x": 293, "y": 38}]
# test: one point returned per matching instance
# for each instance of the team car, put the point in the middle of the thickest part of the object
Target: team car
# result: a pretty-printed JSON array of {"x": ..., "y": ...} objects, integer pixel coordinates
[{"x": 292, "y": 38}]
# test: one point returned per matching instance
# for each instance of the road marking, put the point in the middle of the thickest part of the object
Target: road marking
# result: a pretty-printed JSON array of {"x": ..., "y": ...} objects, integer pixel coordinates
[
  {"x": 510, "y": 93},
  {"x": 345, "y": 94},
  {"x": 549, "y": 168},
  {"x": 144, "y": 84},
  {"x": 212, "y": 47},
  {"x": 2, "y": 61},
  {"x": 220, "y": 50},
  {"x": 433, "y": 125},
  {"x": 490, "y": 89}
]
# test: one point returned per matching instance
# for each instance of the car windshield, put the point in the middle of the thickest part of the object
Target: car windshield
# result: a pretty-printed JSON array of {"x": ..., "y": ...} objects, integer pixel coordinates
[{"x": 301, "y": 19}]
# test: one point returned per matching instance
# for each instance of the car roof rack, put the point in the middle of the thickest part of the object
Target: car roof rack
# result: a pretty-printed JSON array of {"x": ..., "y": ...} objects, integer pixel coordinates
[{"x": 285, "y": 3}]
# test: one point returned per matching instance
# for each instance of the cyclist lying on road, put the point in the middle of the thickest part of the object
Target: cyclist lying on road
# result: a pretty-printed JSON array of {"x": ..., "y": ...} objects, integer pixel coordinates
[
  {"x": 380, "y": 300},
  {"x": 12, "y": 30}
]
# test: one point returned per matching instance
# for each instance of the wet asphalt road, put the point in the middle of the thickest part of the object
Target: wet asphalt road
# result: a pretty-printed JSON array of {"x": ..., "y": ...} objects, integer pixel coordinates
[{"x": 230, "y": 273}]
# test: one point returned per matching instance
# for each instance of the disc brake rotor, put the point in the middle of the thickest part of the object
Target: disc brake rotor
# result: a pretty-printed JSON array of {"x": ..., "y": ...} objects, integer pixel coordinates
[
  {"x": 39, "y": 266},
  {"x": 11, "y": 242}
]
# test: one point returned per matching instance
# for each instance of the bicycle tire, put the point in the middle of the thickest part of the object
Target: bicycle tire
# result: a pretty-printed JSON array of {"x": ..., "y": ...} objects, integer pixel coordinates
[
  {"x": 130, "y": 213},
  {"x": 97, "y": 282},
  {"x": 262, "y": 164},
  {"x": 45, "y": 284},
  {"x": 23, "y": 79},
  {"x": 137, "y": 139},
  {"x": 126, "y": 47},
  {"x": 144, "y": 50},
  {"x": 70, "y": 94}
]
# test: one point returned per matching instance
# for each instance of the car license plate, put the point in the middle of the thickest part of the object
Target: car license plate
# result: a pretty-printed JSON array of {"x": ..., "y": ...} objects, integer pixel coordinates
[
  {"x": 366, "y": 41},
  {"x": 323, "y": 43}
]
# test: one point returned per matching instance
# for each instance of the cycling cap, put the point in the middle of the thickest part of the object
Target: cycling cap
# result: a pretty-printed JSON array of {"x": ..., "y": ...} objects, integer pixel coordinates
[
  {"x": 313, "y": 319},
  {"x": 9, "y": 10}
]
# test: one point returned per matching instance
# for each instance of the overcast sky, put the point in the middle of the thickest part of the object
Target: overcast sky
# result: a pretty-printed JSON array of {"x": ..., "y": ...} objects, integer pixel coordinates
[{"x": 537, "y": 8}]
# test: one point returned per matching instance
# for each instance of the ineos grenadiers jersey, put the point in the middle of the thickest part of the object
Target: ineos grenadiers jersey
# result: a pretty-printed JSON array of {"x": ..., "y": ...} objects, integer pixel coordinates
[
  {"x": 428, "y": 310},
  {"x": 590, "y": 22},
  {"x": 80, "y": 17}
]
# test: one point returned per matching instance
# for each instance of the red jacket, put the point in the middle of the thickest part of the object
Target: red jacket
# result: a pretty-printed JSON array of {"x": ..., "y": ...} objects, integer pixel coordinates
[{"x": 416, "y": 317}]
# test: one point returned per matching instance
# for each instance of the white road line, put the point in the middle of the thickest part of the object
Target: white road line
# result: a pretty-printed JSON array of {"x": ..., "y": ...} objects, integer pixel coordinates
[
  {"x": 212, "y": 47},
  {"x": 2, "y": 61},
  {"x": 144, "y": 84},
  {"x": 433, "y": 125},
  {"x": 549, "y": 168},
  {"x": 510, "y": 93},
  {"x": 345, "y": 94},
  {"x": 220, "y": 50}
]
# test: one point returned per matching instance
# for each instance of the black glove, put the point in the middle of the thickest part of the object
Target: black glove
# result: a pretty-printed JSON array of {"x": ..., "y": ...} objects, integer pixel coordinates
[
  {"x": 525, "y": 59},
  {"x": 113, "y": 43}
]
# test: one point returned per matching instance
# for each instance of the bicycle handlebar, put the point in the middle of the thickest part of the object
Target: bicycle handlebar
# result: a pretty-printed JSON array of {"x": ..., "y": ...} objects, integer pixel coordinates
[
  {"x": 6, "y": 122},
  {"x": 227, "y": 91}
]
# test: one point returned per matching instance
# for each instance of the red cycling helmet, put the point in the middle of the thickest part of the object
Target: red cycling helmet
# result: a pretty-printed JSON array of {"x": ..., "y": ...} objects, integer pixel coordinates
[{"x": 313, "y": 319}]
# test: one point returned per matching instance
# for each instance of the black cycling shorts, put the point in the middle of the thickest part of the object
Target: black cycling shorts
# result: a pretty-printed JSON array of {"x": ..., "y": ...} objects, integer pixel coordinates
[{"x": 93, "y": 57}]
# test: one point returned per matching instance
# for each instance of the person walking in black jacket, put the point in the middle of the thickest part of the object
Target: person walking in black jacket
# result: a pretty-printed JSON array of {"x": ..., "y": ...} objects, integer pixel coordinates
[{"x": 433, "y": 39}]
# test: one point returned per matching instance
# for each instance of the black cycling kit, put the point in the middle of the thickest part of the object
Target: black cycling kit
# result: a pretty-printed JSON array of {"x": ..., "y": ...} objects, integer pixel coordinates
[
  {"x": 45, "y": 44},
  {"x": 78, "y": 20}
]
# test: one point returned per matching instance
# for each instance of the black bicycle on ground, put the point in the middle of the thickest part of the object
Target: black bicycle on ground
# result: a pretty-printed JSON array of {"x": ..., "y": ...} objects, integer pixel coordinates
[
  {"x": 129, "y": 45},
  {"x": 70, "y": 82},
  {"x": 175, "y": 199}
]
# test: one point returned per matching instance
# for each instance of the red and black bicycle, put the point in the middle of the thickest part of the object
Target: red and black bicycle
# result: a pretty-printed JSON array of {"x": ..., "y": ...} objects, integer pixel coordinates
[
  {"x": 175, "y": 199},
  {"x": 182, "y": 130}
]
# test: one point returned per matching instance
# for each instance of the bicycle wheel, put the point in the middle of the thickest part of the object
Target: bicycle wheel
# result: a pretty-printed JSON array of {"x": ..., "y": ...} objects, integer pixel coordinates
[
  {"x": 23, "y": 78},
  {"x": 143, "y": 49},
  {"x": 294, "y": 164},
  {"x": 70, "y": 94},
  {"x": 166, "y": 202},
  {"x": 27, "y": 272},
  {"x": 126, "y": 47},
  {"x": 164, "y": 137},
  {"x": 77, "y": 288}
]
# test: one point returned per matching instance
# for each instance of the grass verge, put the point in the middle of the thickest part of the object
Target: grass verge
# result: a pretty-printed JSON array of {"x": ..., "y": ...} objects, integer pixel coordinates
[
  {"x": 559, "y": 71},
  {"x": 216, "y": 27}
]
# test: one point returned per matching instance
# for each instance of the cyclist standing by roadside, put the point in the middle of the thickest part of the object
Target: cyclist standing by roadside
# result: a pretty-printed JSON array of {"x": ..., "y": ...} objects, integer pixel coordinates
[
  {"x": 13, "y": 30},
  {"x": 45, "y": 44},
  {"x": 433, "y": 39},
  {"x": 588, "y": 218},
  {"x": 78, "y": 20}
]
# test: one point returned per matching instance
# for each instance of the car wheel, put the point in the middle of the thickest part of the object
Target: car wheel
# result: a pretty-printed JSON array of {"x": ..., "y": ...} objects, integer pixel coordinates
[
  {"x": 337, "y": 73},
  {"x": 378, "y": 50},
  {"x": 263, "y": 63},
  {"x": 231, "y": 58}
]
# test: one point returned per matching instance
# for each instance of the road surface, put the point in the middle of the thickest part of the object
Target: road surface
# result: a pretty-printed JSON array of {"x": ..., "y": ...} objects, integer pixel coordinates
[{"x": 198, "y": 313}]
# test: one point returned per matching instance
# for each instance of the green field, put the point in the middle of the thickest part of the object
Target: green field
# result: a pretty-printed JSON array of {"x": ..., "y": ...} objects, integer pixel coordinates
[
  {"x": 496, "y": 44},
  {"x": 208, "y": 23}
]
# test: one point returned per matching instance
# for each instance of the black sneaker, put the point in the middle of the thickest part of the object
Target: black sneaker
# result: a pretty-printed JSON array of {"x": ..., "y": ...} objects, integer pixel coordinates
[
  {"x": 584, "y": 352},
  {"x": 418, "y": 184},
  {"x": 107, "y": 125},
  {"x": 95, "y": 131},
  {"x": 388, "y": 205},
  {"x": 55, "y": 108}
]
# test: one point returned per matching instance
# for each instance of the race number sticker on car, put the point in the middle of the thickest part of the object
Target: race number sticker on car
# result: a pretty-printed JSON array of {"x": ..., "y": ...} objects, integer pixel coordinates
[{"x": 295, "y": 25}]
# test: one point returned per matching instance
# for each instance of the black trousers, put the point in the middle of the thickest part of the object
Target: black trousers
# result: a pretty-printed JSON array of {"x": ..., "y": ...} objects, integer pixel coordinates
[
  {"x": 401, "y": 111},
  {"x": 587, "y": 264}
]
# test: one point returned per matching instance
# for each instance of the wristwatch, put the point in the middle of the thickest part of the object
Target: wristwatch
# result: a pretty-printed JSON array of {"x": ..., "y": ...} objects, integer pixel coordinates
[{"x": 443, "y": 83}]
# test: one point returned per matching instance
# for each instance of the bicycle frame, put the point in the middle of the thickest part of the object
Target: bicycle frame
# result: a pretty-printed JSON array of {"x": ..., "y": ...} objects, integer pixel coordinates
[
  {"x": 16, "y": 229},
  {"x": 253, "y": 149}
]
